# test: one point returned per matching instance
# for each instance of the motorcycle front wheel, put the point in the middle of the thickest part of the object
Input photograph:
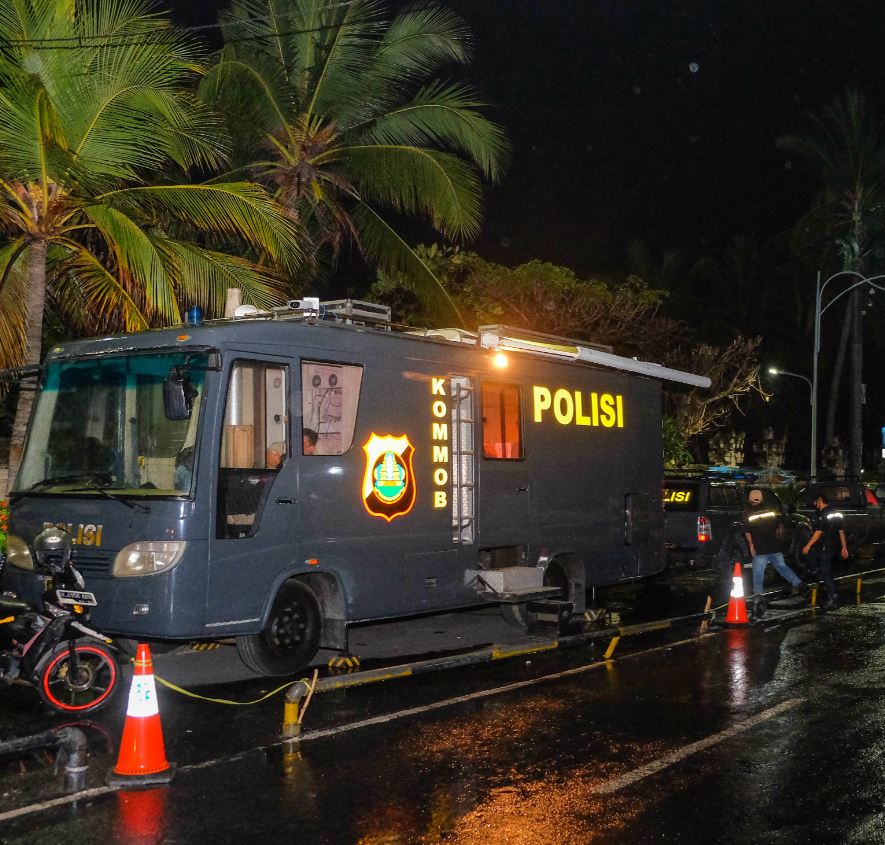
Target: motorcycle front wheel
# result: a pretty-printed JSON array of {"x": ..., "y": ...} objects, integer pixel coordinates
[{"x": 84, "y": 688}]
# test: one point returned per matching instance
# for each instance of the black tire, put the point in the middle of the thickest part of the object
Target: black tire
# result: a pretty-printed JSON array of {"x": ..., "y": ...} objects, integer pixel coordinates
[
  {"x": 515, "y": 615},
  {"x": 93, "y": 686},
  {"x": 291, "y": 637}
]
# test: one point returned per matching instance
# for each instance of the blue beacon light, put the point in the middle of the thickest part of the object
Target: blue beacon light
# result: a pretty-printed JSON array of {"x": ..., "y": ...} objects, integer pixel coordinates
[{"x": 195, "y": 316}]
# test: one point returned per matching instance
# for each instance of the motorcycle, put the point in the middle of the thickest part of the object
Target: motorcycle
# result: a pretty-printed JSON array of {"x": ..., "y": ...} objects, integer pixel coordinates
[{"x": 50, "y": 646}]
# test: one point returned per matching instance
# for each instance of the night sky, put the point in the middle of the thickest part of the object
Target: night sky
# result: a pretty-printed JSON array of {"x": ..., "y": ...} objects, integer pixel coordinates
[
  {"x": 651, "y": 120},
  {"x": 657, "y": 121}
]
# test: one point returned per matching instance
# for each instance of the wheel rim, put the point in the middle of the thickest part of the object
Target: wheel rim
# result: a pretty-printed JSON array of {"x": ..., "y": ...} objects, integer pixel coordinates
[
  {"x": 94, "y": 681},
  {"x": 287, "y": 628}
]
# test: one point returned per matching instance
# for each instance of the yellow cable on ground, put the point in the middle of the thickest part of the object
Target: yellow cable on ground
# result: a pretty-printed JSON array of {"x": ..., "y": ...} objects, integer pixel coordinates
[
  {"x": 311, "y": 687},
  {"x": 174, "y": 688}
]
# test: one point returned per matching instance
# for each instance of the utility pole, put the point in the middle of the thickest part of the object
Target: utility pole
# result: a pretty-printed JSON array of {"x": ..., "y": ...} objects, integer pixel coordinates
[{"x": 855, "y": 454}]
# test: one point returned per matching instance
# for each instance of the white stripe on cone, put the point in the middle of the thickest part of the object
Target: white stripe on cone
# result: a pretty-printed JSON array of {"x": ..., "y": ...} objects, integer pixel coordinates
[
  {"x": 737, "y": 592},
  {"x": 142, "y": 697}
]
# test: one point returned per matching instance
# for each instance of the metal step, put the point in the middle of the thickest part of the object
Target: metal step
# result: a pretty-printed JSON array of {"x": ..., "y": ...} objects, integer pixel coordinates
[
  {"x": 519, "y": 596},
  {"x": 516, "y": 580}
]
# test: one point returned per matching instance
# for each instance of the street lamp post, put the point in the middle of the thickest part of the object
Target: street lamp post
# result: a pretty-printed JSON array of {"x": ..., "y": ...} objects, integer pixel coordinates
[
  {"x": 818, "y": 313},
  {"x": 778, "y": 372}
]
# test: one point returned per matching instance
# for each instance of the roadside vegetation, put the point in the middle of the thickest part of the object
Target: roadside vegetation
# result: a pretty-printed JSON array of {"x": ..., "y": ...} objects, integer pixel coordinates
[{"x": 627, "y": 316}]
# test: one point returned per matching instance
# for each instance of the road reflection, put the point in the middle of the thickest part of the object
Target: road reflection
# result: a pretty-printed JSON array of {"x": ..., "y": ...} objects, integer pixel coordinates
[{"x": 141, "y": 817}]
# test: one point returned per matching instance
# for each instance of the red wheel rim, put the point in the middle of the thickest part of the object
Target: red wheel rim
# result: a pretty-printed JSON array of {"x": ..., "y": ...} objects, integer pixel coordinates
[{"x": 65, "y": 655}]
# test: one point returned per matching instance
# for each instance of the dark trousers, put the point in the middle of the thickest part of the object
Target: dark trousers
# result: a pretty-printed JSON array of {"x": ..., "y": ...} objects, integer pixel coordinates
[{"x": 820, "y": 564}]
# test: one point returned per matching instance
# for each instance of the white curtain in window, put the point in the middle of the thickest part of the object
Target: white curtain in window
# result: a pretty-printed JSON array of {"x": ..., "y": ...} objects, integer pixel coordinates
[{"x": 351, "y": 378}]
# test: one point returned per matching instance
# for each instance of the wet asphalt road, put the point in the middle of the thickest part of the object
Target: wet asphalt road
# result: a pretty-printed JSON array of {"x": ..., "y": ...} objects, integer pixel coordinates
[{"x": 768, "y": 734}]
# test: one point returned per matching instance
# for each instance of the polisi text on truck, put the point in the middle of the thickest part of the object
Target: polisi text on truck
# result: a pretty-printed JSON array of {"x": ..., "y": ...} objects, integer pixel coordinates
[{"x": 575, "y": 407}]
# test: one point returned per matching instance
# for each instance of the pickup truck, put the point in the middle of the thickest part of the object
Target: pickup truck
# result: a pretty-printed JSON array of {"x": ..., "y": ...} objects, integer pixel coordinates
[
  {"x": 862, "y": 512},
  {"x": 703, "y": 516}
]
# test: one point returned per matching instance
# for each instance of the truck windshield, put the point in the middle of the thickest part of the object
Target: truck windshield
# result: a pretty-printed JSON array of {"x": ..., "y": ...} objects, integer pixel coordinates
[{"x": 101, "y": 424}]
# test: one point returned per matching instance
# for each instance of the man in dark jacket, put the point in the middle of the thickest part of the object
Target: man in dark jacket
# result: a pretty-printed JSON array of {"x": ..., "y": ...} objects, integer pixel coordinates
[
  {"x": 827, "y": 538},
  {"x": 763, "y": 528}
]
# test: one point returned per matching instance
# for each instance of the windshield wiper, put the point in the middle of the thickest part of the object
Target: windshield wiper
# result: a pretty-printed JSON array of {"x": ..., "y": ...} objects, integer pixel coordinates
[
  {"x": 67, "y": 479},
  {"x": 89, "y": 488},
  {"x": 116, "y": 497}
]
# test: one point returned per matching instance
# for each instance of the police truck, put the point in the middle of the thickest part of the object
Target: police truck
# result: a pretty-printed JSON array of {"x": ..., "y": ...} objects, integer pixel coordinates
[{"x": 276, "y": 477}]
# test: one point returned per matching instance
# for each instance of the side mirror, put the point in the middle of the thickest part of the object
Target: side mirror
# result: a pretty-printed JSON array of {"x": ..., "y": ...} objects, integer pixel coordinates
[{"x": 178, "y": 395}]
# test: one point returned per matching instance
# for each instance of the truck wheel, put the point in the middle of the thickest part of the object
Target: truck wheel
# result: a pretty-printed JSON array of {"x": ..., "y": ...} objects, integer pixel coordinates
[
  {"x": 515, "y": 615},
  {"x": 291, "y": 636}
]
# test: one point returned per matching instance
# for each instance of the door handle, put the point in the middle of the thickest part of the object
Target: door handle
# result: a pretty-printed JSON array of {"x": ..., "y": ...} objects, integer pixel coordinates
[
  {"x": 285, "y": 501},
  {"x": 522, "y": 488}
]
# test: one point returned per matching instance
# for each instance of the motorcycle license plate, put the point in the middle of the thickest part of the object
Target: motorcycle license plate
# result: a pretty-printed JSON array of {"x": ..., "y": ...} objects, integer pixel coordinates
[{"x": 76, "y": 597}]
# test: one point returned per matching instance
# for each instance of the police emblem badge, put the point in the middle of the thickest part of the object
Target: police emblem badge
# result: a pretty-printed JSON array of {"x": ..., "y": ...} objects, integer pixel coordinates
[{"x": 389, "y": 481}]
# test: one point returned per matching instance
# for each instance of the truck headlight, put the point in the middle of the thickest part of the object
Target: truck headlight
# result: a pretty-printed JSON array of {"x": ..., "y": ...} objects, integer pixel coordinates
[
  {"x": 17, "y": 553},
  {"x": 148, "y": 557}
]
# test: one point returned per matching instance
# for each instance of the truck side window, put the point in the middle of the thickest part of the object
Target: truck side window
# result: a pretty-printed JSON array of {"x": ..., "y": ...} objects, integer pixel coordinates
[
  {"x": 719, "y": 497},
  {"x": 501, "y": 422},
  {"x": 330, "y": 398},
  {"x": 254, "y": 444}
]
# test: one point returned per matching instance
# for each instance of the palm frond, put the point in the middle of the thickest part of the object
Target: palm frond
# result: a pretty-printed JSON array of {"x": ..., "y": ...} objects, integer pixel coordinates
[
  {"x": 101, "y": 290},
  {"x": 251, "y": 91},
  {"x": 193, "y": 134},
  {"x": 137, "y": 260},
  {"x": 415, "y": 180},
  {"x": 10, "y": 255},
  {"x": 419, "y": 42},
  {"x": 446, "y": 116},
  {"x": 203, "y": 276},
  {"x": 30, "y": 135},
  {"x": 344, "y": 51},
  {"x": 274, "y": 32},
  {"x": 13, "y": 304},
  {"x": 239, "y": 210},
  {"x": 393, "y": 255}
]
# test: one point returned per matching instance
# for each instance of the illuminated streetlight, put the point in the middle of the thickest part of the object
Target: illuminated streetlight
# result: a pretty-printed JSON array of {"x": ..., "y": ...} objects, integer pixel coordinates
[{"x": 775, "y": 371}]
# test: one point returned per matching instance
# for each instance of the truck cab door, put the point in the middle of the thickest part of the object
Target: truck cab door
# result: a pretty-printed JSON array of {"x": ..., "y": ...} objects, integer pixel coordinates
[{"x": 254, "y": 533}]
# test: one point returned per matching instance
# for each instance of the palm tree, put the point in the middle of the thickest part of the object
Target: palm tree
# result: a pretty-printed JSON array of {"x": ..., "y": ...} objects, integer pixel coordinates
[
  {"x": 93, "y": 112},
  {"x": 338, "y": 108},
  {"x": 846, "y": 151}
]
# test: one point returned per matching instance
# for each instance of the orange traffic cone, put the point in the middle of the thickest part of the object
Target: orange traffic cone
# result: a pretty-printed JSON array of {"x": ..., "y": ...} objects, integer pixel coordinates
[
  {"x": 142, "y": 759},
  {"x": 737, "y": 605}
]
